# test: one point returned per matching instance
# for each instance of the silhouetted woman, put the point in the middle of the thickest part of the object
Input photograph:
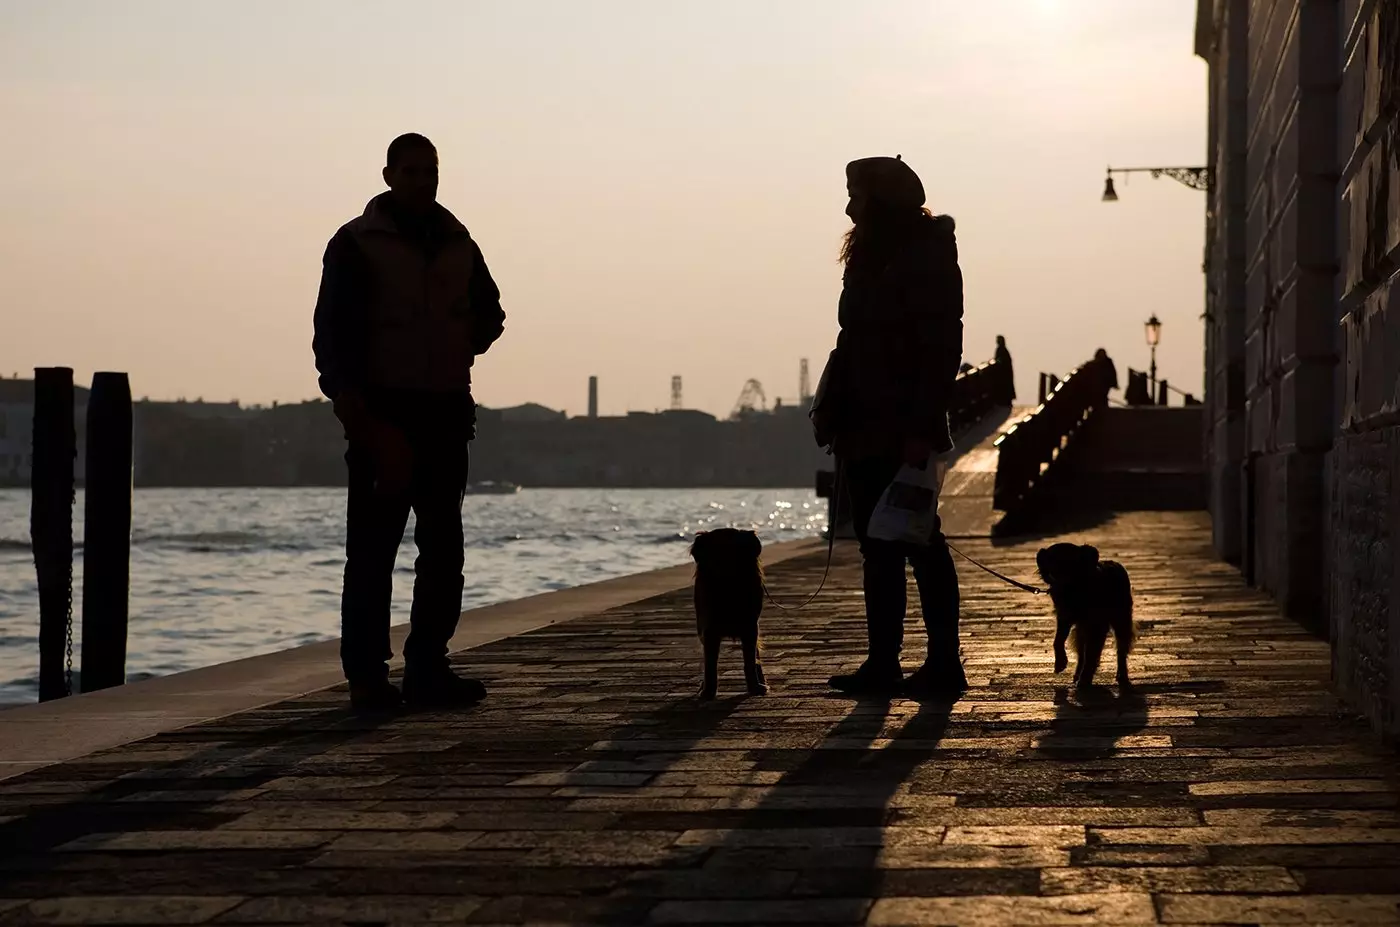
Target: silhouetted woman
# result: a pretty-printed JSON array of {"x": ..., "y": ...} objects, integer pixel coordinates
[{"x": 883, "y": 402}]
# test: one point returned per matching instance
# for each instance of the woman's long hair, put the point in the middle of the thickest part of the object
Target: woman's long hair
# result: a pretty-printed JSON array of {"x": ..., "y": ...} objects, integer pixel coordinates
[{"x": 874, "y": 240}]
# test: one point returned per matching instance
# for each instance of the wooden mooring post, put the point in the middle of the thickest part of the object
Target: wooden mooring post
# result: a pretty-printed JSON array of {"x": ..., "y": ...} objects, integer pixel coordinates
[
  {"x": 107, "y": 532},
  {"x": 51, "y": 526}
]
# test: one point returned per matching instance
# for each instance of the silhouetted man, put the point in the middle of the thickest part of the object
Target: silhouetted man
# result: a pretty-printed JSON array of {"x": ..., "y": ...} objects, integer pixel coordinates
[
  {"x": 406, "y": 304},
  {"x": 1110, "y": 372},
  {"x": 1004, "y": 368}
]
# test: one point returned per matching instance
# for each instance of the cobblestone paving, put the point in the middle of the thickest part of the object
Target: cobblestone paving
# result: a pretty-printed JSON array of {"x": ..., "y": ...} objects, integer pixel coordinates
[{"x": 591, "y": 788}]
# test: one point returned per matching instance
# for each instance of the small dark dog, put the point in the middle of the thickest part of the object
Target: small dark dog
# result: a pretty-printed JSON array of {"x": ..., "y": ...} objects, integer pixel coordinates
[
  {"x": 1092, "y": 597},
  {"x": 729, "y": 601}
]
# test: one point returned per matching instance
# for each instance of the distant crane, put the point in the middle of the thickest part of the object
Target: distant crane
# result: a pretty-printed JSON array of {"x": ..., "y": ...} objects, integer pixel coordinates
[
  {"x": 676, "y": 403},
  {"x": 752, "y": 399},
  {"x": 804, "y": 384}
]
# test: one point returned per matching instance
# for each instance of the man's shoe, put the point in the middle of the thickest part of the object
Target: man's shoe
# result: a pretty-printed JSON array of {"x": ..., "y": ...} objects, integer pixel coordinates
[
  {"x": 937, "y": 679},
  {"x": 884, "y": 678},
  {"x": 441, "y": 689},
  {"x": 375, "y": 697}
]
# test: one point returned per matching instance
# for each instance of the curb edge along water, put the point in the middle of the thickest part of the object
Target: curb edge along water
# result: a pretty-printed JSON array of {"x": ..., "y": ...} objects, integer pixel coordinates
[{"x": 43, "y": 734}]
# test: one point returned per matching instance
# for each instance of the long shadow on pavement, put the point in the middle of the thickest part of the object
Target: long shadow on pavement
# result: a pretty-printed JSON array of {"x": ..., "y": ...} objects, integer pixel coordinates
[
  {"x": 200, "y": 792},
  {"x": 1093, "y": 724},
  {"x": 251, "y": 749},
  {"x": 808, "y": 847}
]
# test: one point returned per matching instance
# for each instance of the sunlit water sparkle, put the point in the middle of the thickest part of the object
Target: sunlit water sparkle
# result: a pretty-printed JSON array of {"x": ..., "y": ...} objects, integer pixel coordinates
[{"x": 221, "y": 574}]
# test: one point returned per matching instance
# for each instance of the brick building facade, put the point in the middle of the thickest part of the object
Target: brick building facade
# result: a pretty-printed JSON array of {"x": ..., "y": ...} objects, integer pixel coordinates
[
  {"x": 1303, "y": 318},
  {"x": 1365, "y": 511}
]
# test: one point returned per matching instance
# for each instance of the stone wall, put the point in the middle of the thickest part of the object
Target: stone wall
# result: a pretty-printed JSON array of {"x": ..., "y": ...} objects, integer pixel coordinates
[
  {"x": 1365, "y": 464},
  {"x": 1303, "y": 302},
  {"x": 1290, "y": 316},
  {"x": 1223, "y": 40}
]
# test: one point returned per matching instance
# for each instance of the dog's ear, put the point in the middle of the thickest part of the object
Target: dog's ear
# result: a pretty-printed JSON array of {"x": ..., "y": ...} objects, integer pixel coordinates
[
  {"x": 754, "y": 545},
  {"x": 1090, "y": 555},
  {"x": 697, "y": 545}
]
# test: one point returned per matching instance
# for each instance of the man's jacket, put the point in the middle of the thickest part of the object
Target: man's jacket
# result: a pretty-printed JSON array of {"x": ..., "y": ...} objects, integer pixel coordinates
[{"x": 404, "y": 304}]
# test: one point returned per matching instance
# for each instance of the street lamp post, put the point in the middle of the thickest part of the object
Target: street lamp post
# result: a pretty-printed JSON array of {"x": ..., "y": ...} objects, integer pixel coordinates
[
  {"x": 1197, "y": 178},
  {"x": 1154, "y": 335}
]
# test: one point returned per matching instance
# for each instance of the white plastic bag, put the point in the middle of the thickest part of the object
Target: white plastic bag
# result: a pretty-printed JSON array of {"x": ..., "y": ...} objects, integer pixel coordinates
[{"x": 909, "y": 505}]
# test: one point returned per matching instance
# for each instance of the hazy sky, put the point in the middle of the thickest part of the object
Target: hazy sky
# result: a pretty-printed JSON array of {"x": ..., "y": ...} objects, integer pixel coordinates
[{"x": 657, "y": 184}]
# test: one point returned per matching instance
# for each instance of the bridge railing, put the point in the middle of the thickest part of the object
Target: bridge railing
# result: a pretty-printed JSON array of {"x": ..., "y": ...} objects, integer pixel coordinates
[
  {"x": 976, "y": 393},
  {"x": 1138, "y": 392},
  {"x": 1027, "y": 449}
]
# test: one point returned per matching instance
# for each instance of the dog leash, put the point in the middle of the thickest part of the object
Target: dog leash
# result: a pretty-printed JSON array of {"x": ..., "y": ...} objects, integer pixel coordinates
[
  {"x": 830, "y": 549},
  {"x": 831, "y": 544},
  {"x": 1001, "y": 576}
]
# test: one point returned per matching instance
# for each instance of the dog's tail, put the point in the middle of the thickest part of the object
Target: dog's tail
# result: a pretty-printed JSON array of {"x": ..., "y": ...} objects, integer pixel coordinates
[{"x": 1119, "y": 589}]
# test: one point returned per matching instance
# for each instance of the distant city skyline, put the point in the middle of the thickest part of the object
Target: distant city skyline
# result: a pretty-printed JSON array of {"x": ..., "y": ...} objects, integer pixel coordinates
[
  {"x": 658, "y": 187},
  {"x": 81, "y": 387}
]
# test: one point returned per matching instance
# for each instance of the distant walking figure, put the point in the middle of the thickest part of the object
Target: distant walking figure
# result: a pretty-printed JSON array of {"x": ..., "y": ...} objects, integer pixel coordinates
[
  {"x": 884, "y": 400},
  {"x": 1110, "y": 372},
  {"x": 1008, "y": 374},
  {"x": 406, "y": 304}
]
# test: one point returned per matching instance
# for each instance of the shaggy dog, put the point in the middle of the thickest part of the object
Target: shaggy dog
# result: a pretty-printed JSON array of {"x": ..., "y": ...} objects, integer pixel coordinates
[
  {"x": 1092, "y": 597},
  {"x": 729, "y": 601}
]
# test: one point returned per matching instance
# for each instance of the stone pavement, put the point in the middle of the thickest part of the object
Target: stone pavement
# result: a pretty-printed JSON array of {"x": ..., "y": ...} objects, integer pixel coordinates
[{"x": 591, "y": 788}]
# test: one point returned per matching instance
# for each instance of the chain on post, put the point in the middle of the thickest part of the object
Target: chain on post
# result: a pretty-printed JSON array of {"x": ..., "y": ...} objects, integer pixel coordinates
[{"x": 68, "y": 670}]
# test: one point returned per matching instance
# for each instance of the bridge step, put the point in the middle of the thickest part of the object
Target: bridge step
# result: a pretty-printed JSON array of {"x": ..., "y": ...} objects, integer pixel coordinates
[
  {"x": 1139, "y": 490},
  {"x": 1143, "y": 459}
]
